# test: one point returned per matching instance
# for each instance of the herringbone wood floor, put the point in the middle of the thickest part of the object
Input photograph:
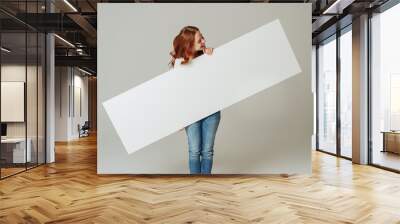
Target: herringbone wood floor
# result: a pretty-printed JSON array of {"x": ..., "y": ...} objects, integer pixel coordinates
[{"x": 69, "y": 191}]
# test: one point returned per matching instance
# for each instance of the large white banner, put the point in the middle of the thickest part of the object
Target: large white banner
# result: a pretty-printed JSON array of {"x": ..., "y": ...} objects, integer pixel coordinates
[{"x": 236, "y": 70}]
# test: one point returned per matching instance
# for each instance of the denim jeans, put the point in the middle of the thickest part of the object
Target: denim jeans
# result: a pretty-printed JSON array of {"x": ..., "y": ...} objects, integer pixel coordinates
[{"x": 201, "y": 136}]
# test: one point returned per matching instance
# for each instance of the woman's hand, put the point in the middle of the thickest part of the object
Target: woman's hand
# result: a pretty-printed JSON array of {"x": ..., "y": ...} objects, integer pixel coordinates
[{"x": 208, "y": 50}]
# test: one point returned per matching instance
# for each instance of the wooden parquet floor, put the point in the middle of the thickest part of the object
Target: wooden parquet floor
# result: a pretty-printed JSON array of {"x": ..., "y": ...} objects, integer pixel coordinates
[{"x": 70, "y": 191}]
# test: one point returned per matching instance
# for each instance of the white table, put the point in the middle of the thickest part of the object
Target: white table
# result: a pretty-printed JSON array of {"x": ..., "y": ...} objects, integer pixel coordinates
[{"x": 19, "y": 149}]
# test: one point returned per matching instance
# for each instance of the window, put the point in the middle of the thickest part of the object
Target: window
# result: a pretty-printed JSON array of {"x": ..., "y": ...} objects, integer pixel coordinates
[
  {"x": 385, "y": 89},
  {"x": 327, "y": 96},
  {"x": 346, "y": 93}
]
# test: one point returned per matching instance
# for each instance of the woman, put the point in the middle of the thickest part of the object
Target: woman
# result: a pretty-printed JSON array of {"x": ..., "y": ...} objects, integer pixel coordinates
[{"x": 187, "y": 45}]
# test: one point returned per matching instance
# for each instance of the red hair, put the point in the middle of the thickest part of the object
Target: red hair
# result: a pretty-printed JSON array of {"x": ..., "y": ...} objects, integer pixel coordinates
[{"x": 183, "y": 45}]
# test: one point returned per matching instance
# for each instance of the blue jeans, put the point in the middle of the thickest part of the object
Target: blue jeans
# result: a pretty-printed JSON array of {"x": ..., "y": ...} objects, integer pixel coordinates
[{"x": 201, "y": 135}]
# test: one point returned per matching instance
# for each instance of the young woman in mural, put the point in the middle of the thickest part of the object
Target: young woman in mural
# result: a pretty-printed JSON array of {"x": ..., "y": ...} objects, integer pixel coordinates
[{"x": 187, "y": 45}]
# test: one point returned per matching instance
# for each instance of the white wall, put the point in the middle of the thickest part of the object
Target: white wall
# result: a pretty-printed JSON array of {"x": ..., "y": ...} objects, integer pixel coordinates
[
  {"x": 79, "y": 117},
  {"x": 12, "y": 73},
  {"x": 69, "y": 82}
]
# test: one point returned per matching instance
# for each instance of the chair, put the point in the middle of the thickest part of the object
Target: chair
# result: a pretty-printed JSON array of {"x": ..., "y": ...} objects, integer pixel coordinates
[{"x": 84, "y": 130}]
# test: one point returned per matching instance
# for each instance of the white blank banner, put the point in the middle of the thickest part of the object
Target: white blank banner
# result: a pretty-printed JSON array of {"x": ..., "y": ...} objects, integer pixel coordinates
[{"x": 235, "y": 71}]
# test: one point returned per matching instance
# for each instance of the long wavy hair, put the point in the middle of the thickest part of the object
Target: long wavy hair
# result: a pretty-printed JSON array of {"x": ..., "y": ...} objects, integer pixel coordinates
[{"x": 183, "y": 45}]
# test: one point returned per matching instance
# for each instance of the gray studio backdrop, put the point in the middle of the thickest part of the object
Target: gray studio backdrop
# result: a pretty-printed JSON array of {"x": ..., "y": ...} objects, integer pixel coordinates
[{"x": 270, "y": 132}]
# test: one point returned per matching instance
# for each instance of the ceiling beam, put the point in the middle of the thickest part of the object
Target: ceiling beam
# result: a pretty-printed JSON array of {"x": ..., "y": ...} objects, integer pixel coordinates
[
  {"x": 337, "y": 6},
  {"x": 83, "y": 61},
  {"x": 84, "y": 24}
]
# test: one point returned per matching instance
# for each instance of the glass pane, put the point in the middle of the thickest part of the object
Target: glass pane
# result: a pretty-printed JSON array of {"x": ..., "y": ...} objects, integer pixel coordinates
[
  {"x": 346, "y": 94},
  {"x": 41, "y": 99},
  {"x": 23, "y": 89},
  {"x": 313, "y": 86},
  {"x": 31, "y": 100},
  {"x": 31, "y": 84},
  {"x": 327, "y": 97},
  {"x": 13, "y": 86},
  {"x": 386, "y": 89}
]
